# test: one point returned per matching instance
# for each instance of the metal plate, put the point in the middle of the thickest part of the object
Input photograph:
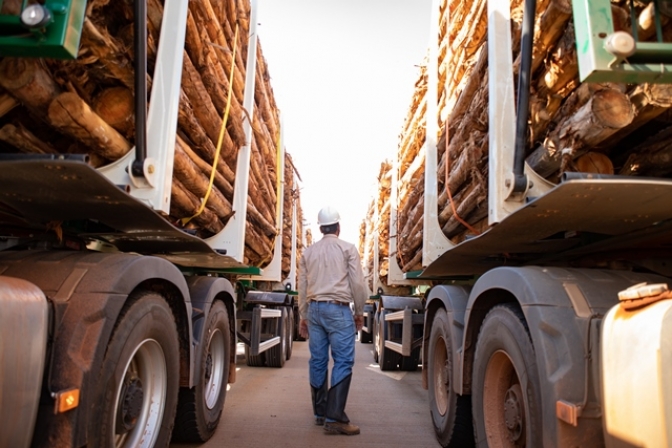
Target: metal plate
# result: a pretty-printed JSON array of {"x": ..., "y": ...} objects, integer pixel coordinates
[
  {"x": 40, "y": 191},
  {"x": 611, "y": 207}
]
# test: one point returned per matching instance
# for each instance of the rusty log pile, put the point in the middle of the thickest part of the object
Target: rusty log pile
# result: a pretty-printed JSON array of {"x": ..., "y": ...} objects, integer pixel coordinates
[
  {"x": 599, "y": 128},
  {"x": 86, "y": 106}
]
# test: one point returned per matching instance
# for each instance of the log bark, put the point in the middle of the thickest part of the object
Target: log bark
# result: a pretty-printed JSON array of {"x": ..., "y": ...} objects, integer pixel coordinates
[
  {"x": 607, "y": 111},
  {"x": 28, "y": 81},
  {"x": 72, "y": 116},
  {"x": 24, "y": 140}
]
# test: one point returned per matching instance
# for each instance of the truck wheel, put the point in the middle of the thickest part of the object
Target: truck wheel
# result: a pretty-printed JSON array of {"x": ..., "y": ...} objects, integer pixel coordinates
[
  {"x": 139, "y": 379},
  {"x": 255, "y": 361},
  {"x": 451, "y": 413},
  {"x": 506, "y": 392},
  {"x": 387, "y": 359},
  {"x": 289, "y": 331},
  {"x": 410, "y": 363},
  {"x": 200, "y": 408},
  {"x": 276, "y": 355}
]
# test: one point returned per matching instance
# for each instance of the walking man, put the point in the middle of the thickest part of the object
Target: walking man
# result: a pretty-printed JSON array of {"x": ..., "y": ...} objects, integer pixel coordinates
[{"x": 330, "y": 279}]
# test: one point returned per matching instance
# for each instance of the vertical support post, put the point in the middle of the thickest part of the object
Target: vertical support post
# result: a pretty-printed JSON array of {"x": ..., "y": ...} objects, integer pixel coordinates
[
  {"x": 502, "y": 114},
  {"x": 407, "y": 332},
  {"x": 273, "y": 272},
  {"x": 232, "y": 237},
  {"x": 291, "y": 278},
  {"x": 434, "y": 242},
  {"x": 162, "y": 115}
]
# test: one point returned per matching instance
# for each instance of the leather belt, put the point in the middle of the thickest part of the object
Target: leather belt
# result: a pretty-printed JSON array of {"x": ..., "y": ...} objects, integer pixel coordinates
[{"x": 335, "y": 302}]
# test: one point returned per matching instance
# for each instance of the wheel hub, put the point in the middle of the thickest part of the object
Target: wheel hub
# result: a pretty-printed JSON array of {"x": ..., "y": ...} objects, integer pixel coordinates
[
  {"x": 208, "y": 366},
  {"x": 514, "y": 413},
  {"x": 131, "y": 405}
]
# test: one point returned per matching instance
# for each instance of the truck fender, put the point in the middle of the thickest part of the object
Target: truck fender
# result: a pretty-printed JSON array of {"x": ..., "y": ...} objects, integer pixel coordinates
[
  {"x": 563, "y": 309},
  {"x": 453, "y": 299},
  {"x": 87, "y": 291},
  {"x": 203, "y": 291}
]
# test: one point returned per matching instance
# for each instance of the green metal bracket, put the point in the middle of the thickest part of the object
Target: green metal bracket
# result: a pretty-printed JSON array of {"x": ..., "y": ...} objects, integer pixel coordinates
[
  {"x": 58, "y": 39},
  {"x": 593, "y": 24}
]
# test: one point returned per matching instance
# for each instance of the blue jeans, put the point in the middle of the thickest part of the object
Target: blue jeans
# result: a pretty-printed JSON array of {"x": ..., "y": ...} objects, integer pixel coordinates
[{"x": 330, "y": 325}]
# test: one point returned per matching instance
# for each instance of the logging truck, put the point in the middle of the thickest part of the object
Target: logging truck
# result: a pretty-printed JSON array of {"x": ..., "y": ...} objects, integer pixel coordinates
[
  {"x": 531, "y": 189},
  {"x": 125, "y": 225}
]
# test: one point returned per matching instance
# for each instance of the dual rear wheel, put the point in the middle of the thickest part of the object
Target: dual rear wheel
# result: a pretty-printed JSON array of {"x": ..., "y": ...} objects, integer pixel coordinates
[
  {"x": 504, "y": 410},
  {"x": 137, "y": 390}
]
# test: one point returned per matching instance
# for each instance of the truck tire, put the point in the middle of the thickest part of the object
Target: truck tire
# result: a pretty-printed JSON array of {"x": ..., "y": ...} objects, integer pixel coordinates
[
  {"x": 387, "y": 359},
  {"x": 254, "y": 361},
  {"x": 451, "y": 413},
  {"x": 505, "y": 384},
  {"x": 139, "y": 378},
  {"x": 276, "y": 355},
  {"x": 410, "y": 363},
  {"x": 200, "y": 408},
  {"x": 289, "y": 332}
]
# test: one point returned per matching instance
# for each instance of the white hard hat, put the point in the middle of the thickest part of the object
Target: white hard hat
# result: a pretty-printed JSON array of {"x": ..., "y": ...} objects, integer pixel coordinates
[{"x": 328, "y": 216}]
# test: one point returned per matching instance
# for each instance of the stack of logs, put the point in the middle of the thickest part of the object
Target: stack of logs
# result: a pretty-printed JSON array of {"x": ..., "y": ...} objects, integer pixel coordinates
[
  {"x": 86, "y": 106},
  {"x": 292, "y": 199},
  {"x": 604, "y": 128},
  {"x": 377, "y": 221}
]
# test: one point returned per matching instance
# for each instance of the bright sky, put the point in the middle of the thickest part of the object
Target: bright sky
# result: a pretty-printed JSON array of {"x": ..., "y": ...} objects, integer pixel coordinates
[{"x": 343, "y": 74}]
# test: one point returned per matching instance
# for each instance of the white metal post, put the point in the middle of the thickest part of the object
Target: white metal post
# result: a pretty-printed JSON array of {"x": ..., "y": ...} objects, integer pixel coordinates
[
  {"x": 162, "y": 116},
  {"x": 291, "y": 278},
  {"x": 273, "y": 272},
  {"x": 502, "y": 119},
  {"x": 232, "y": 237},
  {"x": 434, "y": 242}
]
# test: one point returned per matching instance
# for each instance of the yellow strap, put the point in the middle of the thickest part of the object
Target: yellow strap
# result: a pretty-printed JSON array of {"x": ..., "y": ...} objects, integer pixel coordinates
[{"x": 221, "y": 132}]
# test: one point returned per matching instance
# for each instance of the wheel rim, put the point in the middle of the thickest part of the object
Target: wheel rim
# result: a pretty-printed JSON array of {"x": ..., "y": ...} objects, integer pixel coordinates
[
  {"x": 140, "y": 397},
  {"x": 440, "y": 376},
  {"x": 214, "y": 368},
  {"x": 504, "y": 407}
]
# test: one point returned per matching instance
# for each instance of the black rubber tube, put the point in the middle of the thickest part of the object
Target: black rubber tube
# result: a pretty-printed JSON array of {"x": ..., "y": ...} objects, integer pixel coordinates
[
  {"x": 523, "y": 103},
  {"x": 140, "y": 51}
]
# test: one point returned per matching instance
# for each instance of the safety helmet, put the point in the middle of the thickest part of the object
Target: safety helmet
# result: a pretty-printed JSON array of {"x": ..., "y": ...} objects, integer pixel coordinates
[{"x": 328, "y": 216}]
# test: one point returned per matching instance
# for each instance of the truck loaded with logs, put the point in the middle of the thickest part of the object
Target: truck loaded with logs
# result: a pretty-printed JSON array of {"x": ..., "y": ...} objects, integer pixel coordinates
[
  {"x": 531, "y": 190},
  {"x": 142, "y": 175}
]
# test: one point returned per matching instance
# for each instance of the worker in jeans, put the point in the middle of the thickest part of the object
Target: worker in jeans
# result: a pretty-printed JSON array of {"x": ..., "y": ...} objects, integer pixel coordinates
[{"x": 330, "y": 279}]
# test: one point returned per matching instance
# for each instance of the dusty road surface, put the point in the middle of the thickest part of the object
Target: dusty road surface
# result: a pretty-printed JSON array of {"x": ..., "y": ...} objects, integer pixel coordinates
[{"x": 269, "y": 407}]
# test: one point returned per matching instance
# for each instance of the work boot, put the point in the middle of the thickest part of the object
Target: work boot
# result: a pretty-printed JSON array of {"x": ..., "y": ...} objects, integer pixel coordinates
[
  {"x": 341, "y": 428},
  {"x": 319, "y": 421}
]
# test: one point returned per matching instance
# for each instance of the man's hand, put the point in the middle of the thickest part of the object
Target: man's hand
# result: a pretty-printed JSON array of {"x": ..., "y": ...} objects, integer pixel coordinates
[
  {"x": 303, "y": 328},
  {"x": 359, "y": 322}
]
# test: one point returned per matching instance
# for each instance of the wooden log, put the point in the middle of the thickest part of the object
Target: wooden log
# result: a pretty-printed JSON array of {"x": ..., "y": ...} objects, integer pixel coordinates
[
  {"x": 24, "y": 140},
  {"x": 7, "y": 103},
  {"x": 72, "y": 116},
  {"x": 607, "y": 111},
  {"x": 184, "y": 204},
  {"x": 28, "y": 81},
  {"x": 116, "y": 107},
  {"x": 187, "y": 172},
  {"x": 224, "y": 186}
]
